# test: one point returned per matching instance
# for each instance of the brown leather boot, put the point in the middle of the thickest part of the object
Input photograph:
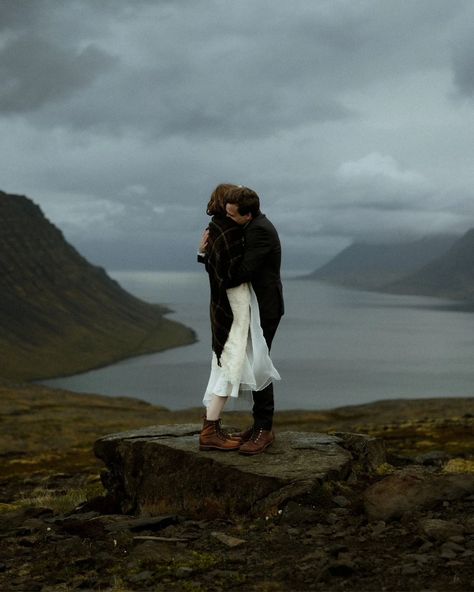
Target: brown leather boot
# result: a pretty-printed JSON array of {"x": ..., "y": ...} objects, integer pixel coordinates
[
  {"x": 245, "y": 435},
  {"x": 212, "y": 437},
  {"x": 259, "y": 442},
  {"x": 226, "y": 433}
]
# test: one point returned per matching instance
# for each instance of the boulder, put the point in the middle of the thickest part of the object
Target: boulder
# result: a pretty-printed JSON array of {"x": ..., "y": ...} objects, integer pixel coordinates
[
  {"x": 413, "y": 489},
  {"x": 160, "y": 470}
]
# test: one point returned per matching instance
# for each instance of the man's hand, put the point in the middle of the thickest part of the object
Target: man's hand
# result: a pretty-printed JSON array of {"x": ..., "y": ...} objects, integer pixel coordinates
[{"x": 204, "y": 241}]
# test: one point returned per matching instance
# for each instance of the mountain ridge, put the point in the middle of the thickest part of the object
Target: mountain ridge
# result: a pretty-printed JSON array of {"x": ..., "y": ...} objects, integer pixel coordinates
[
  {"x": 372, "y": 266},
  {"x": 59, "y": 314},
  {"x": 448, "y": 276}
]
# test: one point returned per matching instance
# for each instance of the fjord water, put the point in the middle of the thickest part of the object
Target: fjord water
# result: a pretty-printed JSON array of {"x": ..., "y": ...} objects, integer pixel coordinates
[{"x": 334, "y": 347}]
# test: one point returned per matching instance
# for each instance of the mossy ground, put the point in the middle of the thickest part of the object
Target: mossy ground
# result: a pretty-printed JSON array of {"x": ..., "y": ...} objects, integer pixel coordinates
[
  {"x": 84, "y": 348},
  {"x": 46, "y": 432},
  {"x": 46, "y": 439}
]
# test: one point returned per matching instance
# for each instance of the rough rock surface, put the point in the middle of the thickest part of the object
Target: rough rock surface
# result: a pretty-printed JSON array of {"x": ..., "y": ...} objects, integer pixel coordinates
[
  {"x": 47, "y": 469},
  {"x": 414, "y": 488},
  {"x": 160, "y": 470}
]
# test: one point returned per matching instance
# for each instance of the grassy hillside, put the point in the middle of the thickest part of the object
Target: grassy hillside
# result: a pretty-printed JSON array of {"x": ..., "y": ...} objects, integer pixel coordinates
[{"x": 58, "y": 313}]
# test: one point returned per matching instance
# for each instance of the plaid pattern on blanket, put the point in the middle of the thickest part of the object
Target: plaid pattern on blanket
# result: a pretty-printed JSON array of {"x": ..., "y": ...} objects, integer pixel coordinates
[{"x": 225, "y": 250}]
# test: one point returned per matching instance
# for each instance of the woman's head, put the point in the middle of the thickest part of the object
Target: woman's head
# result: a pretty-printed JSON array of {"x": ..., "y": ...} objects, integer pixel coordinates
[{"x": 216, "y": 205}]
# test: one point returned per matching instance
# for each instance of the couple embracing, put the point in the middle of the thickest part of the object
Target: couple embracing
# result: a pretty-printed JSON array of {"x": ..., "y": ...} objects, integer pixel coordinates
[{"x": 242, "y": 254}]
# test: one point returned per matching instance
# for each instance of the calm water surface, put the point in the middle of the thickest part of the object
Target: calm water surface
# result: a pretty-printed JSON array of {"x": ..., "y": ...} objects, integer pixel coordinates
[{"x": 334, "y": 347}]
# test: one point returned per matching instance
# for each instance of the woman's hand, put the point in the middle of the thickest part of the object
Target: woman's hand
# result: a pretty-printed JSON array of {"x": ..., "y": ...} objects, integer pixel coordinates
[{"x": 204, "y": 241}]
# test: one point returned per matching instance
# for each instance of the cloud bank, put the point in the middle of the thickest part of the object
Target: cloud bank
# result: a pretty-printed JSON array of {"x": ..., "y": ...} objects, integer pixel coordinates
[{"x": 351, "y": 119}]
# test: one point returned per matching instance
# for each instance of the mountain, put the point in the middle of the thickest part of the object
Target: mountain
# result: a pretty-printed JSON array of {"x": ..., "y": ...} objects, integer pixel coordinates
[
  {"x": 372, "y": 266},
  {"x": 448, "y": 276},
  {"x": 58, "y": 313}
]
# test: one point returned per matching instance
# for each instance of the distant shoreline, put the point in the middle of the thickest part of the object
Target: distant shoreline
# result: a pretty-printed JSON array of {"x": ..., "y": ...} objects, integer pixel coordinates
[
  {"x": 166, "y": 334},
  {"x": 127, "y": 356},
  {"x": 451, "y": 304}
]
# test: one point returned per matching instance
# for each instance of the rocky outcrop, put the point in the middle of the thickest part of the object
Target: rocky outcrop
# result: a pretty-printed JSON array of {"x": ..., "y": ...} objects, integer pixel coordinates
[
  {"x": 160, "y": 470},
  {"x": 413, "y": 489},
  {"x": 58, "y": 313}
]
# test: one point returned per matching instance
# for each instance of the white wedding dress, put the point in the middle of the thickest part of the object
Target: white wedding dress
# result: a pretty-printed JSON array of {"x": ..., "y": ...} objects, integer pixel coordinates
[{"x": 245, "y": 361}]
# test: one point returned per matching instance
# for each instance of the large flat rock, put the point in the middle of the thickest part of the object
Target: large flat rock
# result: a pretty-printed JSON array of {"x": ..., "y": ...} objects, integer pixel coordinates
[{"x": 160, "y": 469}]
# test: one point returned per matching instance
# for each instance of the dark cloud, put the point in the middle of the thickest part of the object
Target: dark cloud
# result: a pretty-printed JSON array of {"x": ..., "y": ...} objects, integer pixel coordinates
[
  {"x": 463, "y": 62},
  {"x": 20, "y": 15},
  {"x": 119, "y": 117},
  {"x": 35, "y": 71}
]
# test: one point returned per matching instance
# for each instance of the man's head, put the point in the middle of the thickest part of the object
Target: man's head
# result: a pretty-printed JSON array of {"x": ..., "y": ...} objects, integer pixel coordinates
[{"x": 242, "y": 204}]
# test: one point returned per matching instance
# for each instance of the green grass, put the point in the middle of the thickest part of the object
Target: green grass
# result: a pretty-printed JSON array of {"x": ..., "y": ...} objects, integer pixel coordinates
[
  {"x": 83, "y": 348},
  {"x": 60, "y": 502}
]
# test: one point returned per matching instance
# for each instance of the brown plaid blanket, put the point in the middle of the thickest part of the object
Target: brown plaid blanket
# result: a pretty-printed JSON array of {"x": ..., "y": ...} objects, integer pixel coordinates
[{"x": 225, "y": 250}]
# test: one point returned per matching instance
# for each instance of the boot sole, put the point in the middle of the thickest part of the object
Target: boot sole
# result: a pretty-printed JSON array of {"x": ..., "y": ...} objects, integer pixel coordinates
[{"x": 207, "y": 448}]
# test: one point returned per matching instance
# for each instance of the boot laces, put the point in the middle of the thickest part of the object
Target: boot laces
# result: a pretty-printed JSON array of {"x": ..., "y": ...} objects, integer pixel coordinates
[{"x": 223, "y": 435}]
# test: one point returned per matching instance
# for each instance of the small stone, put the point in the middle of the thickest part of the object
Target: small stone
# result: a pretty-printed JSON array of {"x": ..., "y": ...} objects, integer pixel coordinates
[
  {"x": 425, "y": 547},
  {"x": 469, "y": 525},
  {"x": 293, "y": 531},
  {"x": 230, "y": 541},
  {"x": 341, "y": 511},
  {"x": 316, "y": 531},
  {"x": 448, "y": 554},
  {"x": 454, "y": 564},
  {"x": 332, "y": 518},
  {"x": 440, "y": 529},
  {"x": 378, "y": 527},
  {"x": 341, "y": 501},
  {"x": 138, "y": 524},
  {"x": 453, "y": 547},
  {"x": 435, "y": 457},
  {"x": 457, "y": 539},
  {"x": 419, "y": 558},
  {"x": 183, "y": 572}
]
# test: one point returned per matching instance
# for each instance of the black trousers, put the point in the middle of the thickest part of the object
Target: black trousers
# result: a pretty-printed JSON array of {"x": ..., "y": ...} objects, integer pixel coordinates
[{"x": 263, "y": 401}]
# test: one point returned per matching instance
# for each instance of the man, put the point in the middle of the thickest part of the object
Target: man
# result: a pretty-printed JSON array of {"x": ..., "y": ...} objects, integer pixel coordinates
[{"x": 260, "y": 266}]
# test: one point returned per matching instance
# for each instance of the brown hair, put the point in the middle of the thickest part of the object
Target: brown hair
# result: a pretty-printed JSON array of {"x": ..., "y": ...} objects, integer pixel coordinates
[
  {"x": 246, "y": 200},
  {"x": 216, "y": 205}
]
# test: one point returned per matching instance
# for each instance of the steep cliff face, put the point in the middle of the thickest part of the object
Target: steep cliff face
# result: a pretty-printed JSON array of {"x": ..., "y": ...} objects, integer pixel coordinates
[{"x": 58, "y": 313}]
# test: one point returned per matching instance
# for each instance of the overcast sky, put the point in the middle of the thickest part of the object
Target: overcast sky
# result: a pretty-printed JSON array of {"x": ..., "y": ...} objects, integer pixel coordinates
[{"x": 352, "y": 119}]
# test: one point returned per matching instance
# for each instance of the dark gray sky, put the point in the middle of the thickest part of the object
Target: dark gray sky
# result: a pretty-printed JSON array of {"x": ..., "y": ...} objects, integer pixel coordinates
[{"x": 352, "y": 119}]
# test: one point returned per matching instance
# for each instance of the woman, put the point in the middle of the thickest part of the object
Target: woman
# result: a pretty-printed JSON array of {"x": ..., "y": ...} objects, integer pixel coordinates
[{"x": 240, "y": 360}]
